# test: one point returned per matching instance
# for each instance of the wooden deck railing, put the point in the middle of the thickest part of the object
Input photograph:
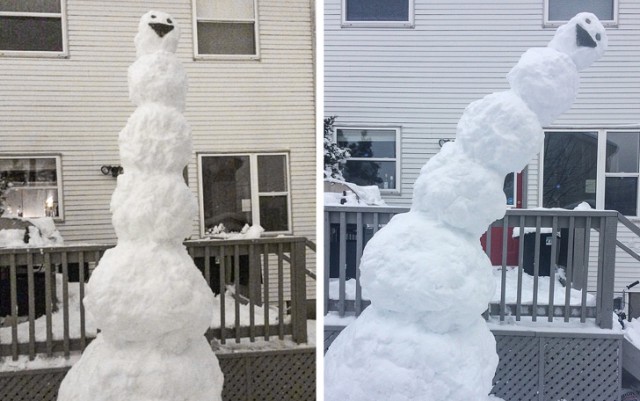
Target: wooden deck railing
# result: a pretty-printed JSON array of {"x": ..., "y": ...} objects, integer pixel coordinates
[
  {"x": 262, "y": 282},
  {"x": 579, "y": 235}
]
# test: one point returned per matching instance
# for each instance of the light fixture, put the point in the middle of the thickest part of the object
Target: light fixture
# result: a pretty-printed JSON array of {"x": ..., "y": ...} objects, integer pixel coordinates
[{"x": 113, "y": 170}]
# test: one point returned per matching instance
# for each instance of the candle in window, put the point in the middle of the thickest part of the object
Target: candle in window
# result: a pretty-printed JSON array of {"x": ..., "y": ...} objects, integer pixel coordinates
[{"x": 48, "y": 208}]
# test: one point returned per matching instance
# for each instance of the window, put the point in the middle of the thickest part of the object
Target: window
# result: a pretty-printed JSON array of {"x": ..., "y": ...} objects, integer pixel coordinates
[
  {"x": 377, "y": 13},
  {"x": 226, "y": 28},
  {"x": 510, "y": 190},
  {"x": 558, "y": 12},
  {"x": 35, "y": 186},
  {"x": 598, "y": 167},
  {"x": 239, "y": 189},
  {"x": 374, "y": 156},
  {"x": 32, "y": 27}
]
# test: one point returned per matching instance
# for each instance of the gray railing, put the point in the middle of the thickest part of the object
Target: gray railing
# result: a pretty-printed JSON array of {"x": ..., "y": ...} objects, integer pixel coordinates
[
  {"x": 41, "y": 289},
  {"x": 573, "y": 237}
]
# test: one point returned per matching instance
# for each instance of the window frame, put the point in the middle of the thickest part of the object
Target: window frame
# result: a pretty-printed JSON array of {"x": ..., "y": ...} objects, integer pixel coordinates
[
  {"x": 59, "y": 185},
  {"x": 410, "y": 23},
  {"x": 207, "y": 56},
  {"x": 549, "y": 23},
  {"x": 41, "y": 53},
  {"x": 601, "y": 174},
  {"x": 255, "y": 194},
  {"x": 398, "y": 132}
]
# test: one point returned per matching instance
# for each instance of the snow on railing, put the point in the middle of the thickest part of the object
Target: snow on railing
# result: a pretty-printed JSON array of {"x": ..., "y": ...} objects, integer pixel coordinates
[
  {"x": 529, "y": 281},
  {"x": 262, "y": 281}
]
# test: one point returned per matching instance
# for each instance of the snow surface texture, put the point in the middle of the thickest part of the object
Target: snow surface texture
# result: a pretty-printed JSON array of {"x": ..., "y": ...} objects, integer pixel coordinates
[
  {"x": 146, "y": 296},
  {"x": 425, "y": 272}
]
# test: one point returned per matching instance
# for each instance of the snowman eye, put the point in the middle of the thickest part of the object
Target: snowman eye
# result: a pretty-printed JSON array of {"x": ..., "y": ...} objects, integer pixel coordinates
[
  {"x": 153, "y": 16},
  {"x": 588, "y": 21},
  {"x": 597, "y": 36},
  {"x": 169, "y": 20}
]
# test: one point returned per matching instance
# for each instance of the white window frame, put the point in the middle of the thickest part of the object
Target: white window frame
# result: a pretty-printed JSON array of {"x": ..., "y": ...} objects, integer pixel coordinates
[
  {"x": 601, "y": 174},
  {"x": 398, "y": 130},
  {"x": 410, "y": 23},
  {"x": 255, "y": 194},
  {"x": 59, "y": 186},
  {"x": 206, "y": 56},
  {"x": 29, "y": 53},
  {"x": 548, "y": 23}
]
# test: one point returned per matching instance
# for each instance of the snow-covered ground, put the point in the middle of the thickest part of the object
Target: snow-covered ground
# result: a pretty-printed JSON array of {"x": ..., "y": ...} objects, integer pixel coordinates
[{"x": 544, "y": 285}]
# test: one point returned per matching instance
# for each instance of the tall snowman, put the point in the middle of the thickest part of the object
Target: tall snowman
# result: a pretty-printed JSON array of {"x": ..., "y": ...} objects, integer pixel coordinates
[
  {"x": 146, "y": 296},
  {"x": 428, "y": 279}
]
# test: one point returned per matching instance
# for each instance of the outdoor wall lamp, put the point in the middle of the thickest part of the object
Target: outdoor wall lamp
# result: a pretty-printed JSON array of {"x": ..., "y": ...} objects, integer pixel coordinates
[
  {"x": 113, "y": 170},
  {"x": 441, "y": 142}
]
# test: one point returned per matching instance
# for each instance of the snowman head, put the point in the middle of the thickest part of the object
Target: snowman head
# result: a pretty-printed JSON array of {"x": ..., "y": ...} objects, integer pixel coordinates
[
  {"x": 583, "y": 39},
  {"x": 157, "y": 31}
]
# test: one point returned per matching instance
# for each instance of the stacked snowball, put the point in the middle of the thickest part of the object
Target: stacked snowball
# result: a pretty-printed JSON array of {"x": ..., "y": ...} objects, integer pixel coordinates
[
  {"x": 150, "y": 302},
  {"x": 425, "y": 272}
]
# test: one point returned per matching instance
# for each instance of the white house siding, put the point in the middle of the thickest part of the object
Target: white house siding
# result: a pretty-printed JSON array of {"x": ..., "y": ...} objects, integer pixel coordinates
[
  {"x": 76, "y": 106},
  {"x": 422, "y": 78}
]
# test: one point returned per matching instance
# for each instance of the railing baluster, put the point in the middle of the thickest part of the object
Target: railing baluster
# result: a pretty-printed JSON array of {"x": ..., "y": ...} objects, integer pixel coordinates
[
  {"x": 222, "y": 295},
  {"x": 207, "y": 265},
  {"x": 520, "y": 269},
  {"x": 327, "y": 259},
  {"x": 81, "y": 280},
  {"x": 503, "y": 278},
  {"x": 552, "y": 267},
  {"x": 359, "y": 248},
  {"x": 265, "y": 274},
  {"x": 32, "y": 306},
  {"x": 252, "y": 265},
  {"x": 342, "y": 265},
  {"x": 65, "y": 303},
  {"x": 280, "y": 292},
  {"x": 236, "y": 286},
  {"x": 569, "y": 272},
  {"x": 48, "y": 295},
  {"x": 585, "y": 277},
  {"x": 536, "y": 271},
  {"x": 13, "y": 279}
]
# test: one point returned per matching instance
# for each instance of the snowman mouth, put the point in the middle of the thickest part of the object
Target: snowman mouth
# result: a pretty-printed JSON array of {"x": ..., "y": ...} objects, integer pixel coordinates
[
  {"x": 161, "y": 29},
  {"x": 583, "y": 38}
]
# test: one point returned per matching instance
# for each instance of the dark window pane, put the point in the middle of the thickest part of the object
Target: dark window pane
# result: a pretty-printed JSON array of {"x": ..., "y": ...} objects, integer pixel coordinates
[
  {"x": 362, "y": 172},
  {"x": 272, "y": 173},
  {"x": 35, "y": 6},
  {"x": 226, "y": 38},
  {"x": 564, "y": 10},
  {"x": 622, "y": 152},
  {"x": 368, "y": 143},
  {"x": 570, "y": 161},
  {"x": 377, "y": 10},
  {"x": 30, "y": 34},
  {"x": 621, "y": 194},
  {"x": 226, "y": 191},
  {"x": 273, "y": 213},
  {"x": 509, "y": 189}
]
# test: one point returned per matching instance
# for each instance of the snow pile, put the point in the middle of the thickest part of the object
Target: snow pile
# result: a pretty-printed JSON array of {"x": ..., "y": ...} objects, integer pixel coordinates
[
  {"x": 146, "y": 296},
  {"x": 425, "y": 272},
  {"x": 247, "y": 232},
  {"x": 353, "y": 195},
  {"x": 33, "y": 233}
]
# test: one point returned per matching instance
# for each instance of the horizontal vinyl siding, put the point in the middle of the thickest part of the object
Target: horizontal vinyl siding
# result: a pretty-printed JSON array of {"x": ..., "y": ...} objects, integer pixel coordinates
[
  {"x": 459, "y": 51},
  {"x": 76, "y": 106}
]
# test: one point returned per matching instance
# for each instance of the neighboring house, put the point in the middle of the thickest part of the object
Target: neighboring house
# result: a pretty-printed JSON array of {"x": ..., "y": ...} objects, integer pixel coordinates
[
  {"x": 398, "y": 76},
  {"x": 251, "y": 106}
]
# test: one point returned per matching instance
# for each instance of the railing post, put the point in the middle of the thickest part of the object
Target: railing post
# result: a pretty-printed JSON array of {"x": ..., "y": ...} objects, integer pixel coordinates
[
  {"x": 299, "y": 292},
  {"x": 605, "y": 287},
  {"x": 327, "y": 256}
]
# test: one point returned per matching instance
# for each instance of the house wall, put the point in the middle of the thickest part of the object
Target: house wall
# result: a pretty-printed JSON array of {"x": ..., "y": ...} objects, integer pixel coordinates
[
  {"x": 75, "y": 106},
  {"x": 422, "y": 78}
]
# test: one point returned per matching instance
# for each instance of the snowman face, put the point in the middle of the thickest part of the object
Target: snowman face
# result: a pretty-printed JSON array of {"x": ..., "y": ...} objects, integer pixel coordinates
[
  {"x": 583, "y": 38},
  {"x": 157, "y": 30}
]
